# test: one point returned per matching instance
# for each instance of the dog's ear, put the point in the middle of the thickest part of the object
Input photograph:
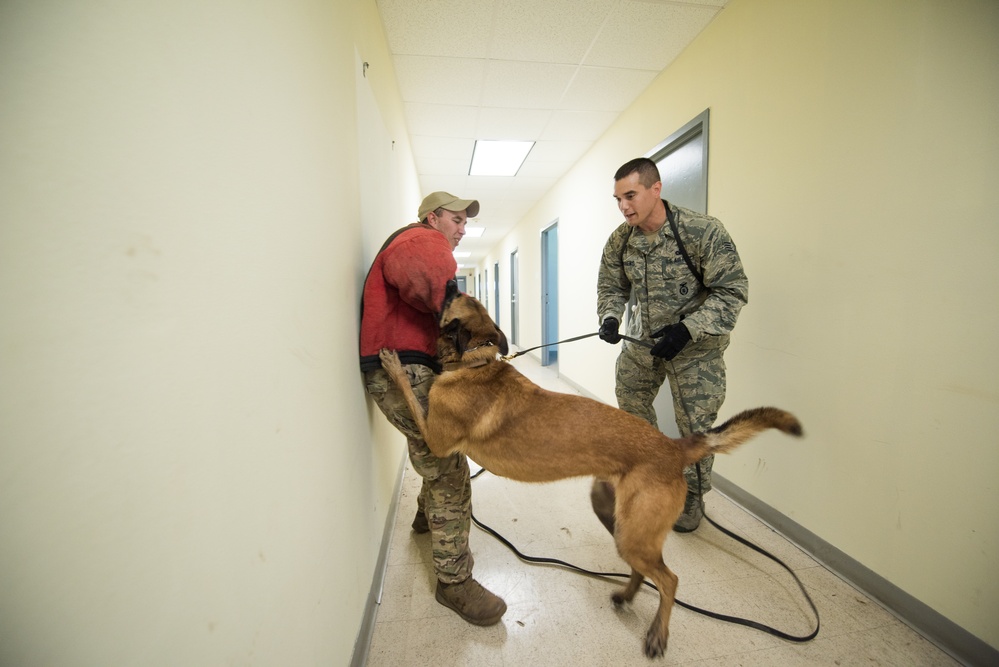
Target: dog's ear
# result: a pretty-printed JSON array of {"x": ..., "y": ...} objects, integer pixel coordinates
[
  {"x": 450, "y": 291},
  {"x": 504, "y": 348}
]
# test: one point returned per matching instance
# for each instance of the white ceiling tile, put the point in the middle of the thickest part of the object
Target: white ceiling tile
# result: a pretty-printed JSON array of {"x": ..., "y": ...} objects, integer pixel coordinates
[
  {"x": 495, "y": 186},
  {"x": 505, "y": 209},
  {"x": 559, "y": 31},
  {"x": 541, "y": 171},
  {"x": 437, "y": 27},
  {"x": 534, "y": 186},
  {"x": 578, "y": 125},
  {"x": 443, "y": 147},
  {"x": 604, "y": 89},
  {"x": 438, "y": 120},
  {"x": 525, "y": 85},
  {"x": 652, "y": 42},
  {"x": 455, "y": 184},
  {"x": 559, "y": 151},
  {"x": 441, "y": 166},
  {"x": 514, "y": 124},
  {"x": 435, "y": 80},
  {"x": 511, "y": 187}
]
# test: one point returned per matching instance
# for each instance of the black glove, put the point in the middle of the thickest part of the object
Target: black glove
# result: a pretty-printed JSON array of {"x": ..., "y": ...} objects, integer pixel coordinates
[
  {"x": 675, "y": 338},
  {"x": 608, "y": 330}
]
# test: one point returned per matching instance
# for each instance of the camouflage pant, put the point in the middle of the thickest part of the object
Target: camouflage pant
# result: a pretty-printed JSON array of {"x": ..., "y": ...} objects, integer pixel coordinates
[
  {"x": 446, "y": 495},
  {"x": 697, "y": 381}
]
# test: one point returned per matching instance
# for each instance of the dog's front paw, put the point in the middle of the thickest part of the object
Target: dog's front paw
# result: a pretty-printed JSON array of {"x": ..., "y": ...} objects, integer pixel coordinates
[{"x": 390, "y": 361}]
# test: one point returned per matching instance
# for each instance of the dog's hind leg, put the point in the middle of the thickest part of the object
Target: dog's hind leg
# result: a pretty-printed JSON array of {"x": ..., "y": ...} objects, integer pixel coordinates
[
  {"x": 657, "y": 638},
  {"x": 602, "y": 499},
  {"x": 628, "y": 593},
  {"x": 646, "y": 510},
  {"x": 647, "y": 560}
]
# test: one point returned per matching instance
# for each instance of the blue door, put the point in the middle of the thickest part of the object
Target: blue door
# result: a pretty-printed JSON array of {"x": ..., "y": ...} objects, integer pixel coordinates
[{"x": 549, "y": 294}]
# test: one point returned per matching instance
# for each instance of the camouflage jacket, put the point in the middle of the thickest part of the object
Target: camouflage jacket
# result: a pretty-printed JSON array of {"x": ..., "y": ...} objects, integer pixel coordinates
[{"x": 664, "y": 289}]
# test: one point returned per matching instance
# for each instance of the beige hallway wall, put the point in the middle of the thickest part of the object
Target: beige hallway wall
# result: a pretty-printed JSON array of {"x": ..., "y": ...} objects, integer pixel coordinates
[
  {"x": 190, "y": 473},
  {"x": 853, "y": 157}
]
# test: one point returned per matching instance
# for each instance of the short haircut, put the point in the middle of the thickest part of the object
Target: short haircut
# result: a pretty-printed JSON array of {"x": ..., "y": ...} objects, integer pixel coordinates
[
  {"x": 438, "y": 212},
  {"x": 648, "y": 172}
]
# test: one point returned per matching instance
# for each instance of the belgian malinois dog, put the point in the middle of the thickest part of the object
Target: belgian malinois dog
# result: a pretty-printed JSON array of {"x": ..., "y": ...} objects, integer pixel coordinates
[{"x": 484, "y": 408}]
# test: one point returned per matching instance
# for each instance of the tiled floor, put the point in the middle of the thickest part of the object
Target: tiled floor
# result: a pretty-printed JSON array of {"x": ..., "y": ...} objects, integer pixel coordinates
[{"x": 556, "y": 617}]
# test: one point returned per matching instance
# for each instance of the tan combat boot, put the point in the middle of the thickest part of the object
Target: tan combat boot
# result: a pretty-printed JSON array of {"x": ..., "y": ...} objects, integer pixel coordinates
[
  {"x": 693, "y": 512},
  {"x": 471, "y": 601}
]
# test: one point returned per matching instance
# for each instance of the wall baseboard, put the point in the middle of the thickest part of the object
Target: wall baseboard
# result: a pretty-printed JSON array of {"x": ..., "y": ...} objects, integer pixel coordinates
[
  {"x": 944, "y": 633},
  {"x": 363, "y": 642}
]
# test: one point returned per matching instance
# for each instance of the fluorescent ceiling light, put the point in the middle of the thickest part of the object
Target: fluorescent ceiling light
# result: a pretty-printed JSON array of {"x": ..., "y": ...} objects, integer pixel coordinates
[
  {"x": 462, "y": 254},
  {"x": 499, "y": 158},
  {"x": 474, "y": 232}
]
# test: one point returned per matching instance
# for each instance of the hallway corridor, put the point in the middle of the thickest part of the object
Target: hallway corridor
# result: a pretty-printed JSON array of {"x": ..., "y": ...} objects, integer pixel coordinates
[{"x": 557, "y": 617}]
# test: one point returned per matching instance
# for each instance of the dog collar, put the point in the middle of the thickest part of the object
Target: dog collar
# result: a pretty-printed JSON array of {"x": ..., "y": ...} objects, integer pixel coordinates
[{"x": 458, "y": 365}]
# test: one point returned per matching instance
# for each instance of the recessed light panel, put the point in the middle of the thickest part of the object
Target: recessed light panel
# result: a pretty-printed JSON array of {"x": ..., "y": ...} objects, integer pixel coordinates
[{"x": 499, "y": 158}]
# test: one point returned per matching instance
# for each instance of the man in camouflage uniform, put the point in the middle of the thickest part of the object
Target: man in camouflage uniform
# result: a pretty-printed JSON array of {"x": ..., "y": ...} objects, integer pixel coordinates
[
  {"x": 685, "y": 318},
  {"x": 403, "y": 294}
]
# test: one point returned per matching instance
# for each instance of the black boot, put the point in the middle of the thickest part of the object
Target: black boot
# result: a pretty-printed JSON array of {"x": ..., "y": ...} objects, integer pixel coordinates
[{"x": 420, "y": 523}]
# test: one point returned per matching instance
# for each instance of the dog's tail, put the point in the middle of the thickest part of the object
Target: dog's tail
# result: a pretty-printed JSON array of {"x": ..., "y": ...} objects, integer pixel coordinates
[{"x": 739, "y": 429}]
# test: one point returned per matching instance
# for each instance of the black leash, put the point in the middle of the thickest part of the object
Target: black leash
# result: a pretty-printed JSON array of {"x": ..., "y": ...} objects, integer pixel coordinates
[
  {"x": 570, "y": 340},
  {"x": 538, "y": 560},
  {"x": 763, "y": 552}
]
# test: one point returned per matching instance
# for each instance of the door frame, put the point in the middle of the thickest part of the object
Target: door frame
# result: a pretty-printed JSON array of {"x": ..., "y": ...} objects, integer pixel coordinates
[
  {"x": 514, "y": 297},
  {"x": 496, "y": 293},
  {"x": 699, "y": 125}
]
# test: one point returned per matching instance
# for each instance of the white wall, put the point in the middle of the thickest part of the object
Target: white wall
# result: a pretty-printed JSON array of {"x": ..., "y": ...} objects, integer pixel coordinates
[
  {"x": 190, "y": 473},
  {"x": 853, "y": 157}
]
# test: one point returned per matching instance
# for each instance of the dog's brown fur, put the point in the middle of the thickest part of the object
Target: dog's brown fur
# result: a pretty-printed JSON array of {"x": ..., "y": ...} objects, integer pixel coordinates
[{"x": 484, "y": 408}]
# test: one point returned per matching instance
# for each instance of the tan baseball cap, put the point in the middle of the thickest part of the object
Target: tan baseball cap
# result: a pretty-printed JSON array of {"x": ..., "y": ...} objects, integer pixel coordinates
[{"x": 449, "y": 202}]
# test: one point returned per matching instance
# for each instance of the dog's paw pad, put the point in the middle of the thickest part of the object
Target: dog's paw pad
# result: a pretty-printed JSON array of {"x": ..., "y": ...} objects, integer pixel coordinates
[
  {"x": 655, "y": 644},
  {"x": 390, "y": 359}
]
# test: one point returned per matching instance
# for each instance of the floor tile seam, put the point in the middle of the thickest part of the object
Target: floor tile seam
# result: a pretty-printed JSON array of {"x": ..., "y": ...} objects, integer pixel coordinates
[
  {"x": 726, "y": 579},
  {"x": 826, "y": 634},
  {"x": 767, "y": 562},
  {"x": 400, "y": 563},
  {"x": 388, "y": 623},
  {"x": 878, "y": 632},
  {"x": 737, "y": 654}
]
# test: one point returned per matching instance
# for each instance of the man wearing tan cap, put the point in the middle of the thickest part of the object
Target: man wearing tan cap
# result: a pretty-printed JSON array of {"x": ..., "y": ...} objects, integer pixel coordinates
[{"x": 403, "y": 294}]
